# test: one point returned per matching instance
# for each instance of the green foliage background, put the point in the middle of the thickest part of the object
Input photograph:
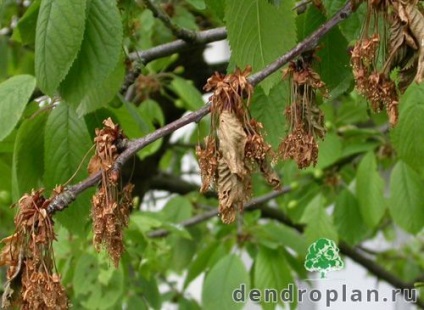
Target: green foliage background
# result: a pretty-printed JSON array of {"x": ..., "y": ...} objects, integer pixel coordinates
[{"x": 368, "y": 180}]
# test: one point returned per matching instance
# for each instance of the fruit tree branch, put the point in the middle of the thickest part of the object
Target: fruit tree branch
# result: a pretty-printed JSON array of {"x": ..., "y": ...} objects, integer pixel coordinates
[{"x": 63, "y": 200}]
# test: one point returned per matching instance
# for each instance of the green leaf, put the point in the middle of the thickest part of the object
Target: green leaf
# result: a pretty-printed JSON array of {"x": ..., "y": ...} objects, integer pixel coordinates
[
  {"x": 269, "y": 110},
  {"x": 96, "y": 284},
  {"x": 330, "y": 150},
  {"x": 151, "y": 293},
  {"x": 14, "y": 95},
  {"x": 66, "y": 144},
  {"x": 411, "y": 97},
  {"x": 205, "y": 259},
  {"x": 59, "y": 33},
  {"x": 352, "y": 26},
  {"x": 183, "y": 251},
  {"x": 369, "y": 190},
  {"x": 217, "y": 6},
  {"x": 27, "y": 25},
  {"x": 271, "y": 271},
  {"x": 347, "y": 218},
  {"x": 198, "y": 4},
  {"x": 101, "y": 95},
  {"x": 28, "y": 166},
  {"x": 406, "y": 202},
  {"x": 177, "y": 209},
  {"x": 6, "y": 172},
  {"x": 191, "y": 97},
  {"x": 282, "y": 235},
  {"x": 319, "y": 223},
  {"x": 407, "y": 136},
  {"x": 188, "y": 304},
  {"x": 225, "y": 277},
  {"x": 99, "y": 54},
  {"x": 251, "y": 33}
]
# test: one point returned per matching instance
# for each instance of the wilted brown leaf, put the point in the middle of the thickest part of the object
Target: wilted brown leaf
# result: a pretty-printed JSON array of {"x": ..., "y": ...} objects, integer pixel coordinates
[
  {"x": 232, "y": 141},
  {"x": 233, "y": 192}
]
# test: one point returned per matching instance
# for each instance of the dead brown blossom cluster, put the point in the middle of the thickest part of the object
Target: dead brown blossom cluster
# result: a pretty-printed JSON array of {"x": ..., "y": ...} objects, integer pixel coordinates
[
  {"x": 235, "y": 146},
  {"x": 402, "y": 51},
  {"x": 32, "y": 281},
  {"x": 111, "y": 205},
  {"x": 305, "y": 119}
]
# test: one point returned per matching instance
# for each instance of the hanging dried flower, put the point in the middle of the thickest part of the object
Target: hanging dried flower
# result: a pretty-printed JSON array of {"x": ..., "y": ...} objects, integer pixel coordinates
[
  {"x": 305, "y": 118},
  {"x": 403, "y": 51},
  {"x": 32, "y": 282},
  {"x": 110, "y": 205},
  {"x": 235, "y": 146}
]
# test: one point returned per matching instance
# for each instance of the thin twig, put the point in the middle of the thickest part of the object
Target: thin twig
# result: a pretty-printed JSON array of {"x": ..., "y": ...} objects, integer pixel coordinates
[
  {"x": 181, "y": 33},
  {"x": 62, "y": 200}
]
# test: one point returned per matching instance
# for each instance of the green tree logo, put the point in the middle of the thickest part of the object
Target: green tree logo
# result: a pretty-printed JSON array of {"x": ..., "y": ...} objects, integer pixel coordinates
[{"x": 323, "y": 256}]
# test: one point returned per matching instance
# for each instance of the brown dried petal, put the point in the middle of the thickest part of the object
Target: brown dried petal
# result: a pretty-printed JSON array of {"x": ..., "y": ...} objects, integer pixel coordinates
[{"x": 208, "y": 163}]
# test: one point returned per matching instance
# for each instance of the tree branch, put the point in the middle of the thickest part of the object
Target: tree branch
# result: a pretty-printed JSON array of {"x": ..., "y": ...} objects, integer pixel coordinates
[
  {"x": 168, "y": 49},
  {"x": 185, "y": 34},
  {"x": 61, "y": 201}
]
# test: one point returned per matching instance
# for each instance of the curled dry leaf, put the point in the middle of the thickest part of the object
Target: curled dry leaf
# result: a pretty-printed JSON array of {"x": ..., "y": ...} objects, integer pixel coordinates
[
  {"x": 232, "y": 142},
  {"x": 233, "y": 192},
  {"x": 416, "y": 26}
]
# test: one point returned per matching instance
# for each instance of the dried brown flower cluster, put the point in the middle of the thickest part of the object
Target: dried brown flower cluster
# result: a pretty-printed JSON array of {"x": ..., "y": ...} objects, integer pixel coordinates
[
  {"x": 235, "y": 146},
  {"x": 32, "y": 282},
  {"x": 305, "y": 119},
  {"x": 110, "y": 205},
  {"x": 402, "y": 51}
]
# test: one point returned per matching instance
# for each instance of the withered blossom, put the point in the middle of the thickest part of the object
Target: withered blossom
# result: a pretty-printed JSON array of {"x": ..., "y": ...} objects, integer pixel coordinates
[
  {"x": 403, "y": 33},
  {"x": 235, "y": 146},
  {"x": 305, "y": 118},
  {"x": 111, "y": 205},
  {"x": 32, "y": 281}
]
